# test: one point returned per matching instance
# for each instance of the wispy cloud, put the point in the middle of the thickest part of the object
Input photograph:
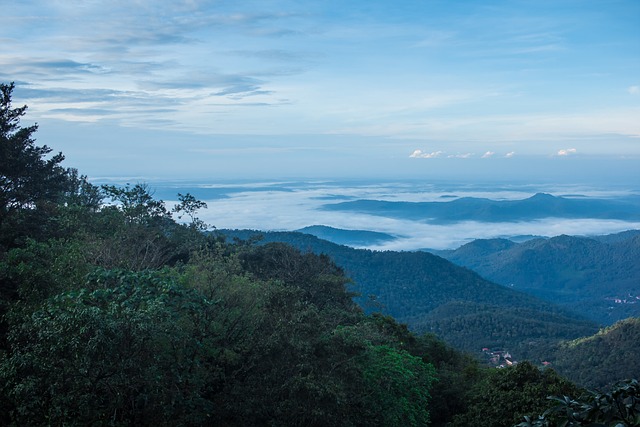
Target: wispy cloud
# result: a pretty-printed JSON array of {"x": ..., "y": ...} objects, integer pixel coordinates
[
  {"x": 473, "y": 79},
  {"x": 49, "y": 66},
  {"x": 510, "y": 154},
  {"x": 567, "y": 152},
  {"x": 460, "y": 156}
]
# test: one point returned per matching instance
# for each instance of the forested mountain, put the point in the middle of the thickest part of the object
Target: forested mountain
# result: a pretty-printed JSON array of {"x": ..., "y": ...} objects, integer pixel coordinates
[
  {"x": 600, "y": 360},
  {"x": 538, "y": 206},
  {"x": 431, "y": 294},
  {"x": 596, "y": 277}
]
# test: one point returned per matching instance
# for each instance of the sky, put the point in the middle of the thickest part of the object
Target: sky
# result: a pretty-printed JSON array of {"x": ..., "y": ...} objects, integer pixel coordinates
[{"x": 183, "y": 89}]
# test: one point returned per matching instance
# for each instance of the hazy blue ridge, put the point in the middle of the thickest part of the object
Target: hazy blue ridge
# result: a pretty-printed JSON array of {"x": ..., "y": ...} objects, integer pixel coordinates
[
  {"x": 347, "y": 237},
  {"x": 538, "y": 206}
]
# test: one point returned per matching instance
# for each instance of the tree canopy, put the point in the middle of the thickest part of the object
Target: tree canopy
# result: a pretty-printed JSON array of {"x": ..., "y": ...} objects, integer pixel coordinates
[{"x": 115, "y": 314}]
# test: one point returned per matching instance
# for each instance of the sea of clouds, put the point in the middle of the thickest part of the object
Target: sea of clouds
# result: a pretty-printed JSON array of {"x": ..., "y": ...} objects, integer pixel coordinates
[{"x": 287, "y": 206}]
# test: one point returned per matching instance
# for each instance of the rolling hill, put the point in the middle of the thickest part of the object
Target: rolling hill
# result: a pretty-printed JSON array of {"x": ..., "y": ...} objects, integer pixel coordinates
[
  {"x": 430, "y": 293},
  {"x": 600, "y": 360},
  {"x": 597, "y": 277},
  {"x": 353, "y": 238}
]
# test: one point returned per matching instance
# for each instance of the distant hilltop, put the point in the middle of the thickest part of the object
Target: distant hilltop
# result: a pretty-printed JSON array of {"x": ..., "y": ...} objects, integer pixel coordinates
[
  {"x": 353, "y": 238},
  {"x": 540, "y": 205}
]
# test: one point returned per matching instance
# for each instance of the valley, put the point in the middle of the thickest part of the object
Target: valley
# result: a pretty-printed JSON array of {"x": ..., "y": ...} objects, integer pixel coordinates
[{"x": 432, "y": 295}]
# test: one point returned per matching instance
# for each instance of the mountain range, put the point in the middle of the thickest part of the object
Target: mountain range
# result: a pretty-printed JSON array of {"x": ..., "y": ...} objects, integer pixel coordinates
[{"x": 540, "y": 205}]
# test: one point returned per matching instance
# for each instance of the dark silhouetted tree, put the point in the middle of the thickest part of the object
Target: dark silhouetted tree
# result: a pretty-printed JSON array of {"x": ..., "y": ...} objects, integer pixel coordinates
[{"x": 29, "y": 180}]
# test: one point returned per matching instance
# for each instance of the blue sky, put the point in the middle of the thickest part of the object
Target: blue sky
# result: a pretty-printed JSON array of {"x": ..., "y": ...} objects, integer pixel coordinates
[{"x": 271, "y": 89}]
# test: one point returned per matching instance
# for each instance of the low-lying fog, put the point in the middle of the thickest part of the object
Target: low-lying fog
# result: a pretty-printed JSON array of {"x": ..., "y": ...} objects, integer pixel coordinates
[{"x": 286, "y": 206}]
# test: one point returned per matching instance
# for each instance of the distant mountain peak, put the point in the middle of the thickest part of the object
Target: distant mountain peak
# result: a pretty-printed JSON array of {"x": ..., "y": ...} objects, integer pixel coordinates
[
  {"x": 347, "y": 237},
  {"x": 543, "y": 196}
]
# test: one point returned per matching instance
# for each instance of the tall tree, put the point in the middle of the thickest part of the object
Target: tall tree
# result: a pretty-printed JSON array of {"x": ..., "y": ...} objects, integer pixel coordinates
[{"x": 29, "y": 178}]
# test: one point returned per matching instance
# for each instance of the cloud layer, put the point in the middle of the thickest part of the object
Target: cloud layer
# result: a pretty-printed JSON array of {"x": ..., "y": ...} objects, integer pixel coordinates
[{"x": 291, "y": 206}]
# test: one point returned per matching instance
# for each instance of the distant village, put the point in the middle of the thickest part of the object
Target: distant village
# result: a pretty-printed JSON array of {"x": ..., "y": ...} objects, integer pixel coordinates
[
  {"x": 629, "y": 299},
  {"x": 498, "y": 358},
  {"x": 502, "y": 358}
]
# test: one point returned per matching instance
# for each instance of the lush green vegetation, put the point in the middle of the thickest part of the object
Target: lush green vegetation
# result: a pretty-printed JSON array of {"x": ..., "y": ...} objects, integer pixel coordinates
[
  {"x": 433, "y": 295},
  {"x": 600, "y": 360},
  {"x": 595, "y": 277},
  {"x": 503, "y": 397},
  {"x": 619, "y": 407},
  {"x": 115, "y": 314},
  {"x": 112, "y": 313},
  {"x": 477, "y": 314}
]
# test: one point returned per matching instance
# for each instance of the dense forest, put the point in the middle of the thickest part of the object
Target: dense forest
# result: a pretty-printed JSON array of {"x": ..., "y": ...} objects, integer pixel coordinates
[
  {"x": 594, "y": 276},
  {"x": 431, "y": 294},
  {"x": 113, "y": 312},
  {"x": 598, "y": 360},
  {"x": 469, "y": 313}
]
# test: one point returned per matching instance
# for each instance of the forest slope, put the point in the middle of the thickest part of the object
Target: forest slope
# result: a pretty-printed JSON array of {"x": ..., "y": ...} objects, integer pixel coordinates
[
  {"x": 596, "y": 277},
  {"x": 600, "y": 360},
  {"x": 431, "y": 294}
]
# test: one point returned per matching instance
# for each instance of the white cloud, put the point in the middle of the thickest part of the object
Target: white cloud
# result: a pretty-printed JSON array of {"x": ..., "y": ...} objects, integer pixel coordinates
[
  {"x": 418, "y": 154},
  {"x": 278, "y": 68},
  {"x": 567, "y": 152},
  {"x": 510, "y": 154},
  {"x": 488, "y": 154},
  {"x": 291, "y": 210},
  {"x": 460, "y": 156}
]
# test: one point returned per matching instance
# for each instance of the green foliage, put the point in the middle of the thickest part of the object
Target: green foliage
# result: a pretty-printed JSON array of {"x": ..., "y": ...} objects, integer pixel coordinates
[
  {"x": 618, "y": 408},
  {"x": 42, "y": 269},
  {"x": 189, "y": 206},
  {"x": 504, "y": 396},
  {"x": 137, "y": 204},
  {"x": 399, "y": 385},
  {"x": 236, "y": 336},
  {"x": 29, "y": 181},
  {"x": 133, "y": 231},
  {"x": 583, "y": 274},
  {"x": 524, "y": 331},
  {"x": 456, "y": 373},
  {"x": 433, "y": 295},
  {"x": 126, "y": 348},
  {"x": 321, "y": 280},
  {"x": 602, "y": 359}
]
